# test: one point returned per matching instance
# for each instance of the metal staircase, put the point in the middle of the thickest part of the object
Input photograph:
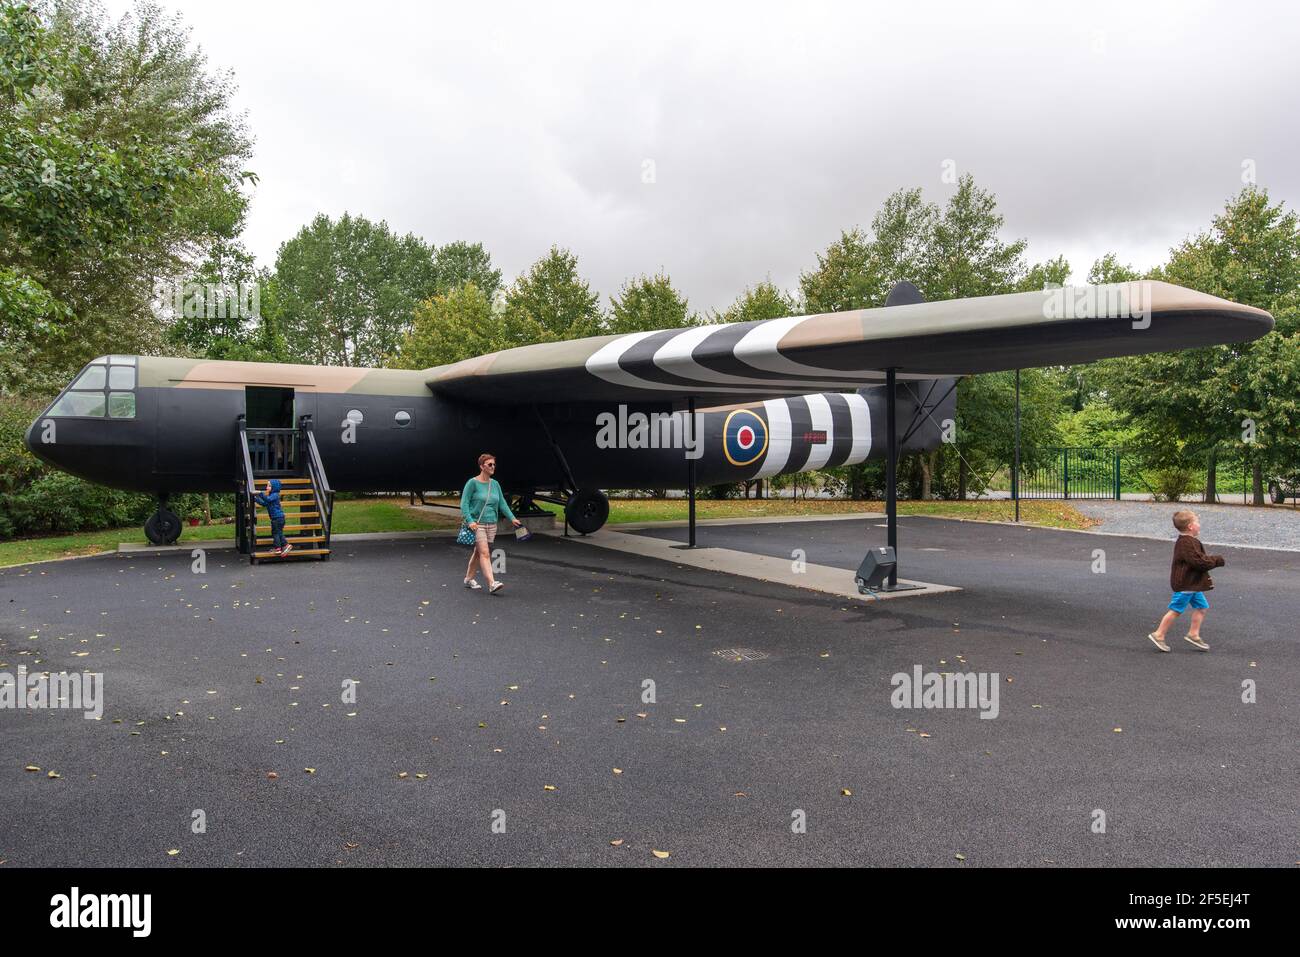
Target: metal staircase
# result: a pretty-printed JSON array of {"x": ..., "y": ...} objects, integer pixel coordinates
[{"x": 290, "y": 455}]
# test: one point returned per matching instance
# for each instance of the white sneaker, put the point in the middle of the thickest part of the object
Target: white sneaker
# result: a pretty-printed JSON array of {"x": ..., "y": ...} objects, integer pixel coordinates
[
  {"x": 472, "y": 584},
  {"x": 496, "y": 587}
]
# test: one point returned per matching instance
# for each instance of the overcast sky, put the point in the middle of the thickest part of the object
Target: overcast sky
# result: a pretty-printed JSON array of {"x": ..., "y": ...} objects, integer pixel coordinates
[{"x": 767, "y": 128}]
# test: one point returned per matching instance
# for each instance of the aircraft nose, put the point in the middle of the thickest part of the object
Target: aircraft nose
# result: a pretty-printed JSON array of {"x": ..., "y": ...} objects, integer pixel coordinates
[{"x": 32, "y": 439}]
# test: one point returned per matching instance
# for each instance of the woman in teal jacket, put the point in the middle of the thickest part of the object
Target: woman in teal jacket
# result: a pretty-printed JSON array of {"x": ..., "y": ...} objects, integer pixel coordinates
[{"x": 482, "y": 505}]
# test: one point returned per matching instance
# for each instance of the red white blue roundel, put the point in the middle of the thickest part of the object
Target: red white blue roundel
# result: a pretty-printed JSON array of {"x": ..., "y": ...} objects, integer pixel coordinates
[{"x": 744, "y": 437}]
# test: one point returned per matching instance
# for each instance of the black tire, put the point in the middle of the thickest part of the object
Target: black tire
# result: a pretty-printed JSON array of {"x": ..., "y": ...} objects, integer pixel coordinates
[
  {"x": 1275, "y": 493},
  {"x": 162, "y": 527},
  {"x": 587, "y": 510}
]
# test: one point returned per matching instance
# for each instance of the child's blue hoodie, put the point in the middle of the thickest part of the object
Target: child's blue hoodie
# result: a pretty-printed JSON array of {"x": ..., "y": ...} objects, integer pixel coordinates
[{"x": 272, "y": 501}]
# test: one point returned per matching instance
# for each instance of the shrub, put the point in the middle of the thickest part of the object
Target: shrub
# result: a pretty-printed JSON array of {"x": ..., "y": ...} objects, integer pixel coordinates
[{"x": 1171, "y": 484}]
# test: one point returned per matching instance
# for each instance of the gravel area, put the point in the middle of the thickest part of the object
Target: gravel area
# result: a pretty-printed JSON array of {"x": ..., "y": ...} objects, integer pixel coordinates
[{"x": 1268, "y": 527}]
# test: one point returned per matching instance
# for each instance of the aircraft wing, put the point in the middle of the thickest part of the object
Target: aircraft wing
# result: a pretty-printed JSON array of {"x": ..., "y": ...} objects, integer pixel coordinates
[{"x": 841, "y": 351}]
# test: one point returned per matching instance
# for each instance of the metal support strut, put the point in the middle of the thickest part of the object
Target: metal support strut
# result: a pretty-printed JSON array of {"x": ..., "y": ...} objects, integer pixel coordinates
[
  {"x": 891, "y": 469},
  {"x": 690, "y": 475}
]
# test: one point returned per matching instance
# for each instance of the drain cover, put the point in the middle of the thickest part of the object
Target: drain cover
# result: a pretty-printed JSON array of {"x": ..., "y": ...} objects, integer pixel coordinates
[{"x": 741, "y": 654}]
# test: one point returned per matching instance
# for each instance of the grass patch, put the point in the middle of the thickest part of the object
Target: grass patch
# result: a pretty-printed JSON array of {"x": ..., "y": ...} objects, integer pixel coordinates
[
  {"x": 1036, "y": 512},
  {"x": 1048, "y": 513},
  {"x": 350, "y": 516}
]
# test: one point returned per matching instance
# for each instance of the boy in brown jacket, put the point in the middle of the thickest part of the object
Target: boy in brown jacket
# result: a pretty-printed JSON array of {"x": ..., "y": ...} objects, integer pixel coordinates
[{"x": 1190, "y": 580}]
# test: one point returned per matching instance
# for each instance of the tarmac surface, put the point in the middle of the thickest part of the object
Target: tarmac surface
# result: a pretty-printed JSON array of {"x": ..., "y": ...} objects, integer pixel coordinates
[{"x": 518, "y": 709}]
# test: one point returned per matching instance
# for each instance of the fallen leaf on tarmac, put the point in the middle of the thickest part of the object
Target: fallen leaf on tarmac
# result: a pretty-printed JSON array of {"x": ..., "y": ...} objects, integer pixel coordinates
[
  {"x": 960, "y": 857},
  {"x": 620, "y": 720},
  {"x": 923, "y": 734},
  {"x": 310, "y": 770},
  {"x": 272, "y": 775},
  {"x": 846, "y": 792},
  {"x": 1035, "y": 706},
  {"x": 173, "y": 852},
  {"x": 617, "y": 843},
  {"x": 351, "y": 846},
  {"x": 618, "y": 770},
  {"x": 662, "y": 854},
  {"x": 548, "y": 787},
  {"x": 31, "y": 767},
  {"x": 642, "y": 714},
  {"x": 53, "y": 774},
  {"x": 421, "y": 777},
  {"x": 401, "y": 774},
  {"x": 1118, "y": 730},
  {"x": 680, "y": 720}
]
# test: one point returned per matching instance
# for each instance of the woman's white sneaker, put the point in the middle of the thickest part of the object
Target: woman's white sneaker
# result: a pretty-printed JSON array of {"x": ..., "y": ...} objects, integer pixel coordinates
[
  {"x": 472, "y": 583},
  {"x": 496, "y": 587}
]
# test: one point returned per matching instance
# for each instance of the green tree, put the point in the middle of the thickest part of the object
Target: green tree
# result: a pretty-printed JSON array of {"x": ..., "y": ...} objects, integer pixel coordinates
[
  {"x": 648, "y": 303},
  {"x": 1195, "y": 405},
  {"x": 347, "y": 289},
  {"x": 120, "y": 163},
  {"x": 966, "y": 253},
  {"x": 459, "y": 262},
  {"x": 551, "y": 303},
  {"x": 846, "y": 276},
  {"x": 763, "y": 301},
  {"x": 456, "y": 325}
]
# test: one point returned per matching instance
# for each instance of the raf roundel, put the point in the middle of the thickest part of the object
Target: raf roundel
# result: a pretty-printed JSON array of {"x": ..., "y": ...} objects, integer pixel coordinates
[{"x": 744, "y": 437}]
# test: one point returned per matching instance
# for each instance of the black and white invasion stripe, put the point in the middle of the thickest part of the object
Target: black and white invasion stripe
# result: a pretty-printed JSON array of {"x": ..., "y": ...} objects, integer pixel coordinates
[
  {"x": 844, "y": 417},
  {"x": 739, "y": 357}
]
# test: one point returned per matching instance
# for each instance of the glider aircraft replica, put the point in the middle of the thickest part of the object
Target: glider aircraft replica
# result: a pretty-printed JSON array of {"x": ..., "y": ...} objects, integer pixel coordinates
[{"x": 707, "y": 404}]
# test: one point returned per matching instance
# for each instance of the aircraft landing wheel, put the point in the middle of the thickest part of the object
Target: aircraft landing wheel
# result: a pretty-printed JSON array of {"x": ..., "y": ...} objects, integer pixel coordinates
[
  {"x": 1275, "y": 493},
  {"x": 587, "y": 510},
  {"x": 162, "y": 527}
]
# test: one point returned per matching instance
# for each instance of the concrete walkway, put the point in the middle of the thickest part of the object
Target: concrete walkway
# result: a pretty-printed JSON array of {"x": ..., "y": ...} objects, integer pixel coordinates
[{"x": 794, "y": 571}]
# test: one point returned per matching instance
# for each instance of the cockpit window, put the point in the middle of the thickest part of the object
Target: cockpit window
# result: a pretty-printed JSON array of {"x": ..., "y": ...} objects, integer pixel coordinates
[
  {"x": 79, "y": 403},
  {"x": 121, "y": 405},
  {"x": 105, "y": 387},
  {"x": 92, "y": 378}
]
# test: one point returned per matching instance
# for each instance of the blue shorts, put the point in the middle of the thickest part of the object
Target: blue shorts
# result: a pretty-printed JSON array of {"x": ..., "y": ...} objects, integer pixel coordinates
[{"x": 1182, "y": 599}]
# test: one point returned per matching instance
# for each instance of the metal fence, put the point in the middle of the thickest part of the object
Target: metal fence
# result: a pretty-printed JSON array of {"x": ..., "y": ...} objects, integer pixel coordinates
[{"x": 1071, "y": 473}]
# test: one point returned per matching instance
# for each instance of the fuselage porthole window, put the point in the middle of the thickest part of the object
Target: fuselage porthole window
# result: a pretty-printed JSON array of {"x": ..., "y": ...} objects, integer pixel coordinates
[{"x": 402, "y": 418}]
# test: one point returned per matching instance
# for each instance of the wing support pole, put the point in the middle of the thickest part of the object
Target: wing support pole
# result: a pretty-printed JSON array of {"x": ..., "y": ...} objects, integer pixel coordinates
[
  {"x": 891, "y": 469},
  {"x": 690, "y": 478}
]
